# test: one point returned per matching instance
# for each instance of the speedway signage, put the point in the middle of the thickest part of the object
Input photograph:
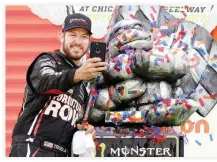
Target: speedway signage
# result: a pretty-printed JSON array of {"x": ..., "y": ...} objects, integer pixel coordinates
[{"x": 110, "y": 146}]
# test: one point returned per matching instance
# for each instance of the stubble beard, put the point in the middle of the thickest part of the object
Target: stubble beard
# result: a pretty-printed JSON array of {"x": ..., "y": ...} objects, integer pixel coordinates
[{"x": 67, "y": 52}]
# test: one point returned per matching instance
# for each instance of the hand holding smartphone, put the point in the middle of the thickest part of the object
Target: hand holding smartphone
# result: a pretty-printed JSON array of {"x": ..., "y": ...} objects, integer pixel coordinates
[{"x": 98, "y": 49}]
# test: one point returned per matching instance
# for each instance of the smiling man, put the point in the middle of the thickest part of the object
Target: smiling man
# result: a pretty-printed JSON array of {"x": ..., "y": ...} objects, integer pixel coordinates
[{"x": 55, "y": 94}]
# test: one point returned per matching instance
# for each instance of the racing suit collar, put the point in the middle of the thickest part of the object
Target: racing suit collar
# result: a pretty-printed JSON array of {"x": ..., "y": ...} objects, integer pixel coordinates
[{"x": 66, "y": 58}]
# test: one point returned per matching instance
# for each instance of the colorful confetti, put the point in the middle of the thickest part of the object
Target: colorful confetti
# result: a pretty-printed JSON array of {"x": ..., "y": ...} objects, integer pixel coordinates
[
  {"x": 197, "y": 142},
  {"x": 134, "y": 92},
  {"x": 213, "y": 58},
  {"x": 214, "y": 65},
  {"x": 207, "y": 97},
  {"x": 132, "y": 16},
  {"x": 98, "y": 79},
  {"x": 152, "y": 16},
  {"x": 195, "y": 65},
  {"x": 201, "y": 102},
  {"x": 155, "y": 62},
  {"x": 192, "y": 90},
  {"x": 210, "y": 136},
  {"x": 157, "y": 42},
  {"x": 201, "y": 51},
  {"x": 183, "y": 12},
  {"x": 183, "y": 96},
  {"x": 204, "y": 76},
  {"x": 167, "y": 58},
  {"x": 172, "y": 109}
]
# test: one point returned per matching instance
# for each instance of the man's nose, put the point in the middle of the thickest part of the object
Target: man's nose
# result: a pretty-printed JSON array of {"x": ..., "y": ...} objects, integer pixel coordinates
[{"x": 78, "y": 40}]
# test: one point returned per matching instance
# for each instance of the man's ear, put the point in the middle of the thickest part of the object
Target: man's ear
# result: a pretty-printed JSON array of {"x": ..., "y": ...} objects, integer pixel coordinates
[{"x": 62, "y": 37}]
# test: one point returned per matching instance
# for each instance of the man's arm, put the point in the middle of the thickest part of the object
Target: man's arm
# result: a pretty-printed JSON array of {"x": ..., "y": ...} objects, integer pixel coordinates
[{"x": 46, "y": 80}]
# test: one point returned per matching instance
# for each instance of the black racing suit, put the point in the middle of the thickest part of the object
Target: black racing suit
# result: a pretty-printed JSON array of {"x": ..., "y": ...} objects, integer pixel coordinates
[{"x": 52, "y": 104}]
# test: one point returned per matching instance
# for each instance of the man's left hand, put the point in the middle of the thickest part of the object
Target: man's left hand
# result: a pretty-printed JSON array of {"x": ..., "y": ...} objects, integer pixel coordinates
[{"x": 90, "y": 129}]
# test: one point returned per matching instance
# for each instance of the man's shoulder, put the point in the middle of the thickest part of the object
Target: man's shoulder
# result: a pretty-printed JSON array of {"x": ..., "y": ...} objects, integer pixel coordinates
[{"x": 45, "y": 59}]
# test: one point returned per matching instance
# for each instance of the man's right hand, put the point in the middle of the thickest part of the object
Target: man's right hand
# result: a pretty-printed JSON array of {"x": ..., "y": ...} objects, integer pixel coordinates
[{"x": 90, "y": 69}]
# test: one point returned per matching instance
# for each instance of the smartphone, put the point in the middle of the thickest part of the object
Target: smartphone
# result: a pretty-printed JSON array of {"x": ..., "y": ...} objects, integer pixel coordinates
[{"x": 98, "y": 49}]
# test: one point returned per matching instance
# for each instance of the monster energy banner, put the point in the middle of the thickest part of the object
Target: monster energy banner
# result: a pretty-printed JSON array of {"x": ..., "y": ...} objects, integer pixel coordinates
[{"x": 139, "y": 147}]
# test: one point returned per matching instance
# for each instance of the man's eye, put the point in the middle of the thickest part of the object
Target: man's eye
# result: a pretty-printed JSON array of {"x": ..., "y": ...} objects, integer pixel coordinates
[{"x": 85, "y": 37}]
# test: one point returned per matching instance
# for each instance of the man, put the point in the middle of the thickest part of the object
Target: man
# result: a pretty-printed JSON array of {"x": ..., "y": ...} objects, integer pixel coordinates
[{"x": 55, "y": 94}]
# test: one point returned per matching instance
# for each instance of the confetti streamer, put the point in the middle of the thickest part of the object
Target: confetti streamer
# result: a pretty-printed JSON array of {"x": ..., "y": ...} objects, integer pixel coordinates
[
  {"x": 167, "y": 58},
  {"x": 167, "y": 101},
  {"x": 128, "y": 70},
  {"x": 161, "y": 49},
  {"x": 129, "y": 8},
  {"x": 152, "y": 16},
  {"x": 98, "y": 79},
  {"x": 197, "y": 142},
  {"x": 117, "y": 69},
  {"x": 156, "y": 97},
  {"x": 186, "y": 137},
  {"x": 188, "y": 106},
  {"x": 133, "y": 92},
  {"x": 172, "y": 109},
  {"x": 160, "y": 59},
  {"x": 119, "y": 44},
  {"x": 157, "y": 113},
  {"x": 125, "y": 115},
  {"x": 108, "y": 104},
  {"x": 213, "y": 58},
  {"x": 210, "y": 136},
  {"x": 194, "y": 59},
  {"x": 174, "y": 52},
  {"x": 195, "y": 65},
  {"x": 156, "y": 131},
  {"x": 183, "y": 96},
  {"x": 176, "y": 40},
  {"x": 95, "y": 97},
  {"x": 159, "y": 69},
  {"x": 169, "y": 116},
  {"x": 164, "y": 43},
  {"x": 201, "y": 102},
  {"x": 192, "y": 90},
  {"x": 204, "y": 76},
  {"x": 201, "y": 51},
  {"x": 207, "y": 97},
  {"x": 155, "y": 62},
  {"x": 132, "y": 16},
  {"x": 153, "y": 9},
  {"x": 183, "y": 12},
  {"x": 156, "y": 43},
  {"x": 214, "y": 65}
]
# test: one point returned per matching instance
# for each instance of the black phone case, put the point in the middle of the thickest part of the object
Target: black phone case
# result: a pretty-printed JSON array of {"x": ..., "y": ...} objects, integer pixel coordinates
[{"x": 98, "y": 49}]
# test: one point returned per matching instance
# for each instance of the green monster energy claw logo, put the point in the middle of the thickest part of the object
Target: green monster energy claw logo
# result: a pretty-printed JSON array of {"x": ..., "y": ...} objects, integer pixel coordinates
[{"x": 103, "y": 147}]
